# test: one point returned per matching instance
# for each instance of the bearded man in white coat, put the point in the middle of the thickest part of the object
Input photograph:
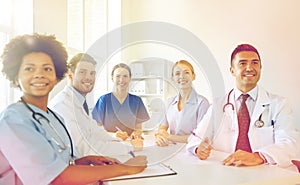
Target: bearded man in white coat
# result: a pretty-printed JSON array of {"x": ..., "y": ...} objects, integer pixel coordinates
[{"x": 88, "y": 137}]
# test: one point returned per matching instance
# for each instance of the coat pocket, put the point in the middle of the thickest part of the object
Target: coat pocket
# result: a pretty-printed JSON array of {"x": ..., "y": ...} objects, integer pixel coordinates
[{"x": 263, "y": 136}]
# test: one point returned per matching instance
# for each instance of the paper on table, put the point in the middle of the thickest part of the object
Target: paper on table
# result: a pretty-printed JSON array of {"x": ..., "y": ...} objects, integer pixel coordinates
[
  {"x": 154, "y": 153},
  {"x": 151, "y": 171}
]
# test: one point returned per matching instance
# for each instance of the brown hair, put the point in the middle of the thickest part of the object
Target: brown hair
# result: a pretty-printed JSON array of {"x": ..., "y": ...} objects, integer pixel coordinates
[
  {"x": 121, "y": 65},
  {"x": 72, "y": 65}
]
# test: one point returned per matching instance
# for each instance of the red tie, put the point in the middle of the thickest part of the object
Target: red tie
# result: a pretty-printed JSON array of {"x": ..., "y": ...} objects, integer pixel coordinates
[
  {"x": 297, "y": 164},
  {"x": 244, "y": 122}
]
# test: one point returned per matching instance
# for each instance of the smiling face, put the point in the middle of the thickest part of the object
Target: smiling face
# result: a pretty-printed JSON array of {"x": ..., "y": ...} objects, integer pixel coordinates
[
  {"x": 246, "y": 68},
  {"x": 36, "y": 76},
  {"x": 121, "y": 79},
  {"x": 83, "y": 79},
  {"x": 183, "y": 76}
]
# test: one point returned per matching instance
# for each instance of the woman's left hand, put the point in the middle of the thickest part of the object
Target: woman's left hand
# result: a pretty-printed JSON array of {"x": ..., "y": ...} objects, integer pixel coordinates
[
  {"x": 122, "y": 135},
  {"x": 137, "y": 134},
  {"x": 137, "y": 144},
  {"x": 163, "y": 133}
]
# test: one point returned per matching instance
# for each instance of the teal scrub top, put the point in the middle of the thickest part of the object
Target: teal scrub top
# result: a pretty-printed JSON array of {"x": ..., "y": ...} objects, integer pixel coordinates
[
  {"x": 109, "y": 112},
  {"x": 30, "y": 152}
]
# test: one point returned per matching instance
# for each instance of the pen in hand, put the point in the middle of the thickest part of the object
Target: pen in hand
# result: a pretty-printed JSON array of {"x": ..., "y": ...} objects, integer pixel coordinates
[
  {"x": 121, "y": 134},
  {"x": 131, "y": 153},
  {"x": 118, "y": 128},
  {"x": 203, "y": 140},
  {"x": 194, "y": 134}
]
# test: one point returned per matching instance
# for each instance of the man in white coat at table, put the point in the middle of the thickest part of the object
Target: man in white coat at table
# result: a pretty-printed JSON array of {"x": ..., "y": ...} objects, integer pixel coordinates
[
  {"x": 89, "y": 138},
  {"x": 270, "y": 136}
]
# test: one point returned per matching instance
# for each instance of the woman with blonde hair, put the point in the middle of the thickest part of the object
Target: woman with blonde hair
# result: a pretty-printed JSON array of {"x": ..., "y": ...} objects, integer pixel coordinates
[{"x": 183, "y": 111}]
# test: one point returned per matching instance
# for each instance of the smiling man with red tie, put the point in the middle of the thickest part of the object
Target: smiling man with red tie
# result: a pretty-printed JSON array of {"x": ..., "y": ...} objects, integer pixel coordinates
[{"x": 255, "y": 126}]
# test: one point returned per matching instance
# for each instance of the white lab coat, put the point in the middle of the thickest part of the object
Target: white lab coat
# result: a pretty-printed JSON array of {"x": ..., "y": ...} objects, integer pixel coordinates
[
  {"x": 278, "y": 144},
  {"x": 88, "y": 138}
]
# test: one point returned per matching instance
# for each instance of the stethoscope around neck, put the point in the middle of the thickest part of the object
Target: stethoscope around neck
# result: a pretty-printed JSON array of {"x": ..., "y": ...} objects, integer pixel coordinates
[
  {"x": 258, "y": 123},
  {"x": 38, "y": 116}
]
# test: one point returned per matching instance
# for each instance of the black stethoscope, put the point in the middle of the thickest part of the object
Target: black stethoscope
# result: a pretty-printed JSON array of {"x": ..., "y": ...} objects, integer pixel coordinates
[
  {"x": 38, "y": 116},
  {"x": 258, "y": 123}
]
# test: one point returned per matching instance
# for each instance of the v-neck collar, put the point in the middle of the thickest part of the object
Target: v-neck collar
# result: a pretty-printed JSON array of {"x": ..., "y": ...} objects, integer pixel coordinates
[{"x": 116, "y": 99}]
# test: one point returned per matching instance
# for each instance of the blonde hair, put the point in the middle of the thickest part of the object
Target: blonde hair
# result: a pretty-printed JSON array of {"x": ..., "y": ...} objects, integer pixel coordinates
[{"x": 186, "y": 63}]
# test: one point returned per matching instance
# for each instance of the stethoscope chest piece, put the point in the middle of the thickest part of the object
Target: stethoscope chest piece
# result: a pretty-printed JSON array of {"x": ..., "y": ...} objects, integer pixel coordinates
[{"x": 259, "y": 123}]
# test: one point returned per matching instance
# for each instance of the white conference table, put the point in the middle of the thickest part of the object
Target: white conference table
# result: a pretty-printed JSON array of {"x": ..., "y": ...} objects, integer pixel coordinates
[{"x": 190, "y": 170}]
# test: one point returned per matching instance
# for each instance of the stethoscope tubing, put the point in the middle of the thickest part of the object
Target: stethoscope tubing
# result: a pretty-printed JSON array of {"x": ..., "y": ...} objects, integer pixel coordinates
[
  {"x": 258, "y": 123},
  {"x": 63, "y": 125}
]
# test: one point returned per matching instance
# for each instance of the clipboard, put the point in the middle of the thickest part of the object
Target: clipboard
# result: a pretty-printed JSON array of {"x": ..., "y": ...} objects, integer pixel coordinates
[{"x": 157, "y": 170}]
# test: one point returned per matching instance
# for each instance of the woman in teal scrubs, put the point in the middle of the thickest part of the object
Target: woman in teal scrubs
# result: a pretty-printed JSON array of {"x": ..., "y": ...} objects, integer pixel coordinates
[{"x": 120, "y": 111}]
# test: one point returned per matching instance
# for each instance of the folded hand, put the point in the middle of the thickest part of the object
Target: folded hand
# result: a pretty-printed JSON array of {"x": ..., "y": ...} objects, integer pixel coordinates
[{"x": 243, "y": 158}]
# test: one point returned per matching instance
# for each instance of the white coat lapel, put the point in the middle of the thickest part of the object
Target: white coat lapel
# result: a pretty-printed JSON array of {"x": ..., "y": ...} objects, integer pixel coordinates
[
  {"x": 260, "y": 105},
  {"x": 234, "y": 125}
]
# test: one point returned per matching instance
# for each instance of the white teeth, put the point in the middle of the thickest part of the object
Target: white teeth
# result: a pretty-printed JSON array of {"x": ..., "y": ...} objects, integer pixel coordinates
[
  {"x": 249, "y": 75},
  {"x": 87, "y": 83},
  {"x": 39, "y": 85}
]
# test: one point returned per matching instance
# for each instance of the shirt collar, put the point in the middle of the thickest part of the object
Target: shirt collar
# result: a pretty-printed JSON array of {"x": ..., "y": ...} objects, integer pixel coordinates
[
  {"x": 253, "y": 93},
  {"x": 192, "y": 97},
  {"x": 77, "y": 94},
  {"x": 176, "y": 99}
]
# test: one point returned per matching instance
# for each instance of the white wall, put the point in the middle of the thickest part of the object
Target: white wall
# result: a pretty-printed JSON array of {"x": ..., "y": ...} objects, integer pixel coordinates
[
  {"x": 50, "y": 17},
  {"x": 272, "y": 26}
]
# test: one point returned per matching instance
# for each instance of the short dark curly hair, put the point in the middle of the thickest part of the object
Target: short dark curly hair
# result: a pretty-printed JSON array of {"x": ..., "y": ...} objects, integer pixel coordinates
[{"x": 20, "y": 46}]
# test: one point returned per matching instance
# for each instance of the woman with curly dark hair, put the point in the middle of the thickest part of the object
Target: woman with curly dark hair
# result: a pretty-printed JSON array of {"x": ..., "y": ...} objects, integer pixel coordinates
[{"x": 35, "y": 146}]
